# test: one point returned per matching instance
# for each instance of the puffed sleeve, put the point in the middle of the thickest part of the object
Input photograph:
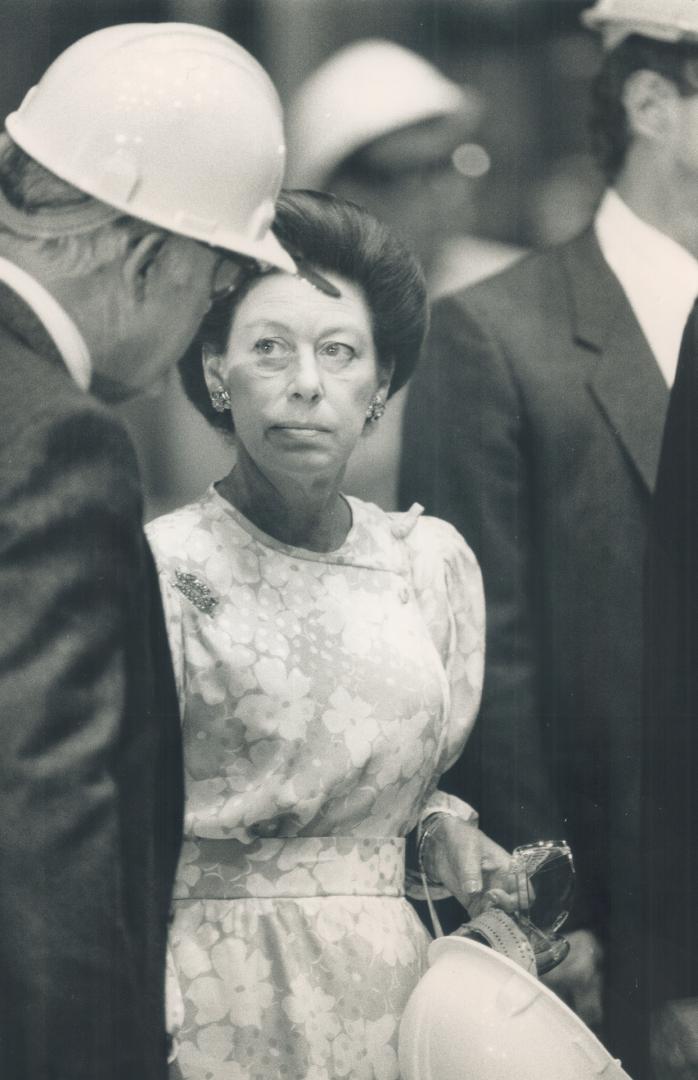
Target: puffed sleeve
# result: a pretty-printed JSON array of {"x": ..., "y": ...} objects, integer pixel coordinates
[{"x": 448, "y": 588}]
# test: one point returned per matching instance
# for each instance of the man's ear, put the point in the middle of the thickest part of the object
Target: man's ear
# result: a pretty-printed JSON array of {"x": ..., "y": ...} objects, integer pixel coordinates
[
  {"x": 650, "y": 102},
  {"x": 142, "y": 262}
]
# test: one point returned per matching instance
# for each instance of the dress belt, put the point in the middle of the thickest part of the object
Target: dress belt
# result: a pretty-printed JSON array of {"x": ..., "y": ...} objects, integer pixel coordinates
[{"x": 293, "y": 867}]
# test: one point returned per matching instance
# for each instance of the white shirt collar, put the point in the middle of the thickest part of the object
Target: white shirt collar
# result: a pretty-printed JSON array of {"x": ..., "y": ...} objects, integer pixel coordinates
[
  {"x": 658, "y": 276},
  {"x": 55, "y": 319}
]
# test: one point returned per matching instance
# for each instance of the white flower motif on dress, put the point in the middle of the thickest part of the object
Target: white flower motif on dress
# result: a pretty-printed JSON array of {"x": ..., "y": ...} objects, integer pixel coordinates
[
  {"x": 343, "y": 1055},
  {"x": 270, "y": 636},
  {"x": 361, "y": 637},
  {"x": 309, "y": 1006},
  {"x": 377, "y": 1037},
  {"x": 246, "y": 567},
  {"x": 392, "y": 948},
  {"x": 393, "y": 801},
  {"x": 243, "y": 617},
  {"x": 334, "y": 923},
  {"x": 243, "y": 771},
  {"x": 209, "y": 742},
  {"x": 302, "y": 592},
  {"x": 209, "y": 1055},
  {"x": 187, "y": 871},
  {"x": 334, "y": 603},
  {"x": 204, "y": 681},
  {"x": 204, "y": 800},
  {"x": 354, "y": 719},
  {"x": 193, "y": 944},
  {"x": 200, "y": 545},
  {"x": 283, "y": 708},
  {"x": 241, "y": 991}
]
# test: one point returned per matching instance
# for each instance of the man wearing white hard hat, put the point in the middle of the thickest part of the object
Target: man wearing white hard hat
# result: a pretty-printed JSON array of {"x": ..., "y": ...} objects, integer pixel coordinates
[
  {"x": 378, "y": 124},
  {"x": 135, "y": 180},
  {"x": 535, "y": 427}
]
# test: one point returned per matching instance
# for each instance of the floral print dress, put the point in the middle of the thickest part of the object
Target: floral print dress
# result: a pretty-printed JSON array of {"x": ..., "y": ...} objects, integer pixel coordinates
[{"x": 322, "y": 696}]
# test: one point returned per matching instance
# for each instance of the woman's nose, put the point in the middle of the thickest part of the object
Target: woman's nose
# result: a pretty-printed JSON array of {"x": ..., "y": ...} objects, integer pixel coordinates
[{"x": 306, "y": 380}]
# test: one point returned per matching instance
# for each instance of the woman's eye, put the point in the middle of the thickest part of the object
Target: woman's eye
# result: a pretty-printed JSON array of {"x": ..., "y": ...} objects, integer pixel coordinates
[
  {"x": 337, "y": 353},
  {"x": 270, "y": 347},
  {"x": 272, "y": 354}
]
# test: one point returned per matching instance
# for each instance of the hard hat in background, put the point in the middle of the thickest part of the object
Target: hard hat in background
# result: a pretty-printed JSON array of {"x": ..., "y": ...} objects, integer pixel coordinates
[
  {"x": 169, "y": 122},
  {"x": 665, "y": 20},
  {"x": 364, "y": 91},
  {"x": 478, "y": 1014}
]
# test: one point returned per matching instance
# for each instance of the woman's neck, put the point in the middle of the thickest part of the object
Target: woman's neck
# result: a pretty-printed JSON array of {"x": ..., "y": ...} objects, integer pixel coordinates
[{"x": 308, "y": 514}]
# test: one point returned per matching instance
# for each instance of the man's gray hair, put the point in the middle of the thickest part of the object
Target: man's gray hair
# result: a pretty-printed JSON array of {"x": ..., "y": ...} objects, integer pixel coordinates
[{"x": 33, "y": 197}]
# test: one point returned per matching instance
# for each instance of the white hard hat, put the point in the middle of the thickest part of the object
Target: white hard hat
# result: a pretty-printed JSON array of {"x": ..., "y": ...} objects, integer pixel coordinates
[
  {"x": 169, "y": 122},
  {"x": 665, "y": 20},
  {"x": 478, "y": 1014},
  {"x": 366, "y": 90}
]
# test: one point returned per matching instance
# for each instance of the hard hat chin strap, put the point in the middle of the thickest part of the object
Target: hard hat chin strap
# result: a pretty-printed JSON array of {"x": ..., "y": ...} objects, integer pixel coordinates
[{"x": 503, "y": 934}]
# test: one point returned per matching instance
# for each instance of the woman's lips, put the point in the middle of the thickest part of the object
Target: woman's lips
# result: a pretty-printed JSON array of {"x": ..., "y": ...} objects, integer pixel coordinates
[{"x": 299, "y": 431}]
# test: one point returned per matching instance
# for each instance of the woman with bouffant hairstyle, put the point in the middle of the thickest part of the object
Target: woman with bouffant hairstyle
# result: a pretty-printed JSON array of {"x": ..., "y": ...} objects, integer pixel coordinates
[{"x": 329, "y": 659}]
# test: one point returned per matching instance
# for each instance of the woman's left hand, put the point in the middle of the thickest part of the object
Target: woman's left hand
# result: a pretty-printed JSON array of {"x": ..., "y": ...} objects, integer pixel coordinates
[{"x": 475, "y": 869}]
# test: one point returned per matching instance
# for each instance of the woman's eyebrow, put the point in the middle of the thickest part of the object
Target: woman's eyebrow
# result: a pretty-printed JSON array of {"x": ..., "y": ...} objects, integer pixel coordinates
[{"x": 264, "y": 323}]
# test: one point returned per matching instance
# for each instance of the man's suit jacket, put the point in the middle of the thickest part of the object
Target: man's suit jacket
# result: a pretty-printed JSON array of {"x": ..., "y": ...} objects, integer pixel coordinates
[
  {"x": 90, "y": 768},
  {"x": 670, "y": 751},
  {"x": 534, "y": 426}
]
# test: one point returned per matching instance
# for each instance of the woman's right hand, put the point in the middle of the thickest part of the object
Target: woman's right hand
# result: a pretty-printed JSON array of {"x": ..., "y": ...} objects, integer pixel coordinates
[{"x": 475, "y": 869}]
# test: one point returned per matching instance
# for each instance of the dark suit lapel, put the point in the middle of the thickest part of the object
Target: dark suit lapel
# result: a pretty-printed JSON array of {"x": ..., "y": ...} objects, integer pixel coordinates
[{"x": 625, "y": 381}]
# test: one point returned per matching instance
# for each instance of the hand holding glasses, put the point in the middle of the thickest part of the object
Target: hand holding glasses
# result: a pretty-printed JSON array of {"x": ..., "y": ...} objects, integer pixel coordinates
[{"x": 544, "y": 874}]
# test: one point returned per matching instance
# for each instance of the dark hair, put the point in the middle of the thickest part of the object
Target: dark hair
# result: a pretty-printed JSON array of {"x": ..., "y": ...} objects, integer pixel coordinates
[
  {"x": 675, "y": 61},
  {"x": 335, "y": 236}
]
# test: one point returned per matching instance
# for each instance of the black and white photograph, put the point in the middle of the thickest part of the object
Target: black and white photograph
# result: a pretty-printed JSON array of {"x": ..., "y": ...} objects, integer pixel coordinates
[{"x": 349, "y": 540}]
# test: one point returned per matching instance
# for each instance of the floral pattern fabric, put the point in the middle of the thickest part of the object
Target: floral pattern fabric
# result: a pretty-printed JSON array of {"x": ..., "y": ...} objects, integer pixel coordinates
[{"x": 322, "y": 696}]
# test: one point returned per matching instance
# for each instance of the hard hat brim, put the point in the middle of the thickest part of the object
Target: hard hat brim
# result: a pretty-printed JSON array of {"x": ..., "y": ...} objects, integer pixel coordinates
[{"x": 265, "y": 250}]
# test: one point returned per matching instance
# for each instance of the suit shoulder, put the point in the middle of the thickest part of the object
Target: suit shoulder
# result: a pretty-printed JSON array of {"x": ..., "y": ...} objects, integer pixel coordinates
[
  {"x": 538, "y": 280},
  {"x": 56, "y": 437},
  {"x": 37, "y": 397}
]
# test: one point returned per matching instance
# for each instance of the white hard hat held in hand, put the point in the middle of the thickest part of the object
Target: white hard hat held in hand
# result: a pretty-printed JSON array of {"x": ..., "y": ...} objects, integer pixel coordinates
[
  {"x": 479, "y": 1014},
  {"x": 169, "y": 122},
  {"x": 664, "y": 20}
]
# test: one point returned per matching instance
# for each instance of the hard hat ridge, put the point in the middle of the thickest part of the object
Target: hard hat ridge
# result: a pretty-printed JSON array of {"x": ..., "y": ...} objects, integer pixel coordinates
[{"x": 169, "y": 122}]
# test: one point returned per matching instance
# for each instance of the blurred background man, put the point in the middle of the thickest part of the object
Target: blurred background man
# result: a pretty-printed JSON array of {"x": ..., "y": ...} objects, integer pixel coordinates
[
  {"x": 136, "y": 177},
  {"x": 535, "y": 427}
]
